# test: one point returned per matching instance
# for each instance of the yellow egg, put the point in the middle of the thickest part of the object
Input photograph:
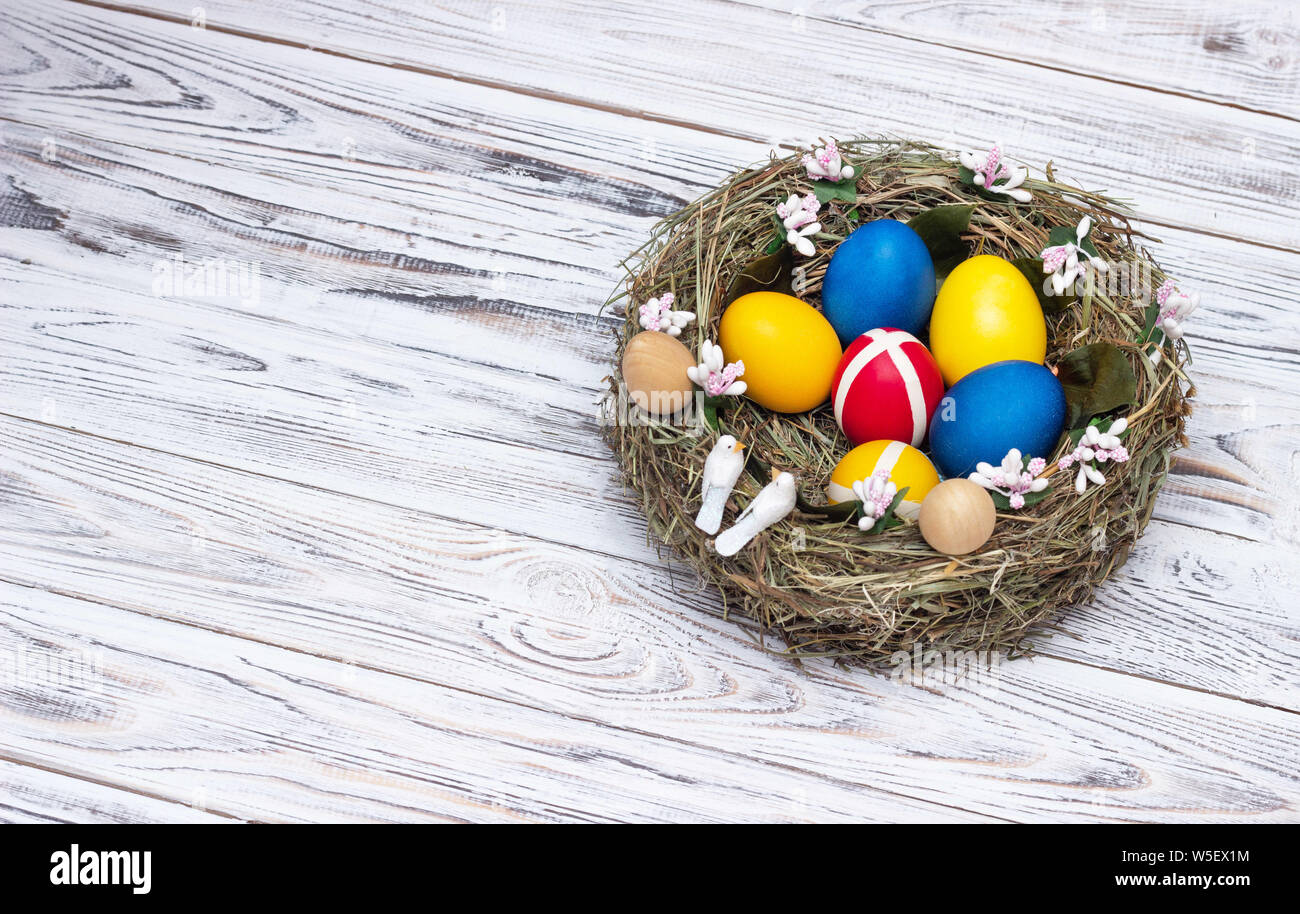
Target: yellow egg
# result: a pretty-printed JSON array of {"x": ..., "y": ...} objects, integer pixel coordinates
[
  {"x": 908, "y": 468},
  {"x": 654, "y": 370},
  {"x": 986, "y": 312},
  {"x": 790, "y": 351},
  {"x": 957, "y": 517}
]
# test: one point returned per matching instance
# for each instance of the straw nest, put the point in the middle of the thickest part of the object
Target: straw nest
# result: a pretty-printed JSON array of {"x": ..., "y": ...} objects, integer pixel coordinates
[{"x": 825, "y": 587}]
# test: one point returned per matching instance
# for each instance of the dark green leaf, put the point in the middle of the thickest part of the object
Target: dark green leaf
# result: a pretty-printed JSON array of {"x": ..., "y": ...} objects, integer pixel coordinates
[
  {"x": 770, "y": 273},
  {"x": 1097, "y": 379},
  {"x": 1149, "y": 322},
  {"x": 1003, "y": 503},
  {"x": 846, "y": 190},
  {"x": 1060, "y": 234},
  {"x": 1032, "y": 268},
  {"x": 941, "y": 228},
  {"x": 844, "y": 511}
]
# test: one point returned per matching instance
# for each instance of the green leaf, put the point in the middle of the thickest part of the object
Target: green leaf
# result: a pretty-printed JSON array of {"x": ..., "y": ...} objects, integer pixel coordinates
[
  {"x": 1149, "y": 322},
  {"x": 1032, "y": 268},
  {"x": 1003, "y": 503},
  {"x": 844, "y": 511},
  {"x": 941, "y": 228},
  {"x": 845, "y": 191},
  {"x": 770, "y": 273},
  {"x": 1060, "y": 234},
  {"x": 1097, "y": 379}
]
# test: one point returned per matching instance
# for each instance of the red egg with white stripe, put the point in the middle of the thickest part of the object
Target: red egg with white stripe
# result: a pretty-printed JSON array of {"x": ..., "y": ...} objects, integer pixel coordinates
[{"x": 887, "y": 386}]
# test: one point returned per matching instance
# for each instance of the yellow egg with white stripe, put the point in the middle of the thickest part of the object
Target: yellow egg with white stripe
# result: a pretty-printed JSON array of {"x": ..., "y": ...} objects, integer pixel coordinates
[{"x": 908, "y": 469}]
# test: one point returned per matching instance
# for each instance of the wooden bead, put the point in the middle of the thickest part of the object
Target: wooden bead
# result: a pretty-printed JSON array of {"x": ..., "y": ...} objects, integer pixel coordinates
[
  {"x": 654, "y": 370},
  {"x": 957, "y": 517}
]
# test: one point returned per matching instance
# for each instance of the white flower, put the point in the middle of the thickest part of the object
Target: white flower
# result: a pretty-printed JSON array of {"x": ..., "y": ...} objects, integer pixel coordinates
[
  {"x": 824, "y": 164},
  {"x": 1063, "y": 260},
  {"x": 876, "y": 494},
  {"x": 711, "y": 374},
  {"x": 995, "y": 175},
  {"x": 1013, "y": 478},
  {"x": 656, "y": 315},
  {"x": 799, "y": 216},
  {"x": 1095, "y": 446}
]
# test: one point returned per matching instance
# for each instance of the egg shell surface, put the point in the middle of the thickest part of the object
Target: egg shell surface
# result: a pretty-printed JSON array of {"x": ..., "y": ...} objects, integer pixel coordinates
[
  {"x": 887, "y": 386},
  {"x": 1010, "y": 404},
  {"x": 986, "y": 312},
  {"x": 908, "y": 468},
  {"x": 880, "y": 276},
  {"x": 790, "y": 351}
]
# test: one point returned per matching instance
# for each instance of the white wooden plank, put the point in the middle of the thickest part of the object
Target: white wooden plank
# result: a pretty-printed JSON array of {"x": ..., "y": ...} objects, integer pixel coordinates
[
  {"x": 536, "y": 626},
  {"x": 1243, "y": 53},
  {"x": 38, "y": 796},
  {"x": 273, "y": 735},
  {"x": 1186, "y": 162},
  {"x": 141, "y": 209}
]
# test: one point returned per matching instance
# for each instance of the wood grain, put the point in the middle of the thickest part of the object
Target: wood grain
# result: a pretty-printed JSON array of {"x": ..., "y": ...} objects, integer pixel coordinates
[
  {"x": 1214, "y": 168},
  {"x": 436, "y": 602},
  {"x": 30, "y": 795},
  {"x": 310, "y": 534},
  {"x": 1243, "y": 54}
]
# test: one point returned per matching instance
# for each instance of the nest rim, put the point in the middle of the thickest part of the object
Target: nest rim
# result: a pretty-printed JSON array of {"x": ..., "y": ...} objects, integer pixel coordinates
[{"x": 824, "y": 588}]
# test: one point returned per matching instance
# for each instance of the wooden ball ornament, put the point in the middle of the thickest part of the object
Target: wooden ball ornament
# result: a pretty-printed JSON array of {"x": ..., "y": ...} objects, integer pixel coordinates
[
  {"x": 654, "y": 370},
  {"x": 957, "y": 517}
]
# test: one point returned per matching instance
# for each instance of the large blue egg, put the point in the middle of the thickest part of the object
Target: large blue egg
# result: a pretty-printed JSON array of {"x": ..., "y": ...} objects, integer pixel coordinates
[
  {"x": 993, "y": 409},
  {"x": 879, "y": 276}
]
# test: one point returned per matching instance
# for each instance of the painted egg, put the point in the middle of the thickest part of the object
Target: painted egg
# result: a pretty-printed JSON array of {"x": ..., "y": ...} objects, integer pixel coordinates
[
  {"x": 993, "y": 409},
  {"x": 887, "y": 386},
  {"x": 908, "y": 468},
  {"x": 986, "y": 312},
  {"x": 789, "y": 350},
  {"x": 654, "y": 370},
  {"x": 957, "y": 517},
  {"x": 879, "y": 276}
]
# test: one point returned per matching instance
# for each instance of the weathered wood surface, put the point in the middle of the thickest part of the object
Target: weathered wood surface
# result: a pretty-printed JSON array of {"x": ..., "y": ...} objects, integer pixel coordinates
[{"x": 330, "y": 505}]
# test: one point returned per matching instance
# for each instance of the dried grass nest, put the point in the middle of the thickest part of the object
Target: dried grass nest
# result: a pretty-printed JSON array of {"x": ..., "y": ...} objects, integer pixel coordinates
[{"x": 824, "y": 587}]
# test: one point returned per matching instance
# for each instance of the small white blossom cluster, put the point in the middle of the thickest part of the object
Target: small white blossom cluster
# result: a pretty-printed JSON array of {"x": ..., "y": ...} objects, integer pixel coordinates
[
  {"x": 1013, "y": 478},
  {"x": 995, "y": 175},
  {"x": 657, "y": 314},
  {"x": 876, "y": 494},
  {"x": 825, "y": 164},
  {"x": 799, "y": 216},
  {"x": 1095, "y": 447},
  {"x": 717, "y": 379},
  {"x": 1067, "y": 262}
]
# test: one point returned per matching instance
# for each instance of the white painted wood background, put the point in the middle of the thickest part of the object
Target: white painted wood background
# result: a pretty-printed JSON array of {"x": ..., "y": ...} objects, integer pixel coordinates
[{"x": 352, "y": 549}]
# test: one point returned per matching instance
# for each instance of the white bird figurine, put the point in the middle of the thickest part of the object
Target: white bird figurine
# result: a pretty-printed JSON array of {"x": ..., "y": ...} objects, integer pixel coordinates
[
  {"x": 721, "y": 470},
  {"x": 769, "y": 506}
]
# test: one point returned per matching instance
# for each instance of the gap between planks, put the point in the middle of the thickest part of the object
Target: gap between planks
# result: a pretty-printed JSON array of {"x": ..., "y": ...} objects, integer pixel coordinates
[
  {"x": 650, "y": 116},
  {"x": 742, "y": 624}
]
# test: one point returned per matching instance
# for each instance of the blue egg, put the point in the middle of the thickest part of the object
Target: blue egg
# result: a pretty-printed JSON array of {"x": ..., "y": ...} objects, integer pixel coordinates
[
  {"x": 879, "y": 276},
  {"x": 993, "y": 409}
]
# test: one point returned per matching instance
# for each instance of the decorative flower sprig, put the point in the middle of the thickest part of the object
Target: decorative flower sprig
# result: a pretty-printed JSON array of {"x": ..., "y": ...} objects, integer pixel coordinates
[
  {"x": 1169, "y": 310},
  {"x": 799, "y": 216},
  {"x": 1068, "y": 260},
  {"x": 657, "y": 314},
  {"x": 825, "y": 164},
  {"x": 876, "y": 494},
  {"x": 879, "y": 497},
  {"x": 716, "y": 379},
  {"x": 1015, "y": 479},
  {"x": 989, "y": 172},
  {"x": 1094, "y": 447}
]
